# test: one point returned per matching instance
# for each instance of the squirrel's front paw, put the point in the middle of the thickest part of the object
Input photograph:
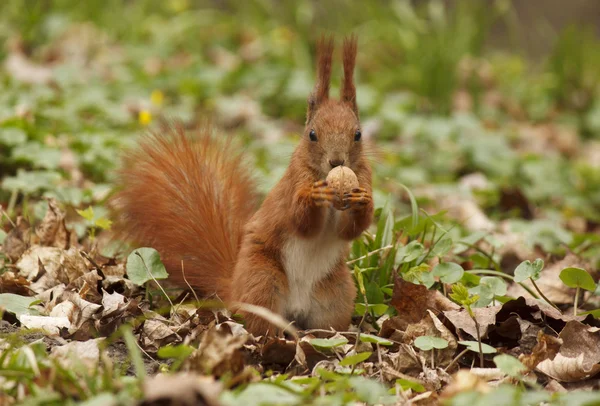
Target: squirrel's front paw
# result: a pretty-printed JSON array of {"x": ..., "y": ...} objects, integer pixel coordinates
[
  {"x": 356, "y": 199},
  {"x": 321, "y": 195}
]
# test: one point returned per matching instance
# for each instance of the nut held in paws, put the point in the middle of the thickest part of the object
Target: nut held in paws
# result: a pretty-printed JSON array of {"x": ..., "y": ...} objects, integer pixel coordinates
[{"x": 342, "y": 179}]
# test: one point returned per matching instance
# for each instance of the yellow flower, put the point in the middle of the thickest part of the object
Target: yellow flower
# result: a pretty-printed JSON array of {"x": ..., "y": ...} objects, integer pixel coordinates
[
  {"x": 157, "y": 97},
  {"x": 144, "y": 117},
  {"x": 179, "y": 6}
]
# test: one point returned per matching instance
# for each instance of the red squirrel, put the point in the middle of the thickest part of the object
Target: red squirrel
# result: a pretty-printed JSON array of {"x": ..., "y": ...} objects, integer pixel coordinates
[{"x": 192, "y": 199}]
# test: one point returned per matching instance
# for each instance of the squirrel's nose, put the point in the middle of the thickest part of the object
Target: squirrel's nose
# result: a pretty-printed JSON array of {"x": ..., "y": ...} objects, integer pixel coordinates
[{"x": 336, "y": 162}]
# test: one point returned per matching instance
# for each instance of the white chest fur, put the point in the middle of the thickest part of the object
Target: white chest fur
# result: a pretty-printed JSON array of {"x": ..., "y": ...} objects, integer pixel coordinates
[{"x": 307, "y": 261}]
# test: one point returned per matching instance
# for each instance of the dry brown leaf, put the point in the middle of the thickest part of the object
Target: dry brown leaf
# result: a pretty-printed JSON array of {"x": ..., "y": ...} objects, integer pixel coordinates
[
  {"x": 17, "y": 240},
  {"x": 49, "y": 266},
  {"x": 157, "y": 334},
  {"x": 49, "y": 325},
  {"x": 181, "y": 389},
  {"x": 413, "y": 301},
  {"x": 108, "y": 322},
  {"x": 546, "y": 348},
  {"x": 579, "y": 355},
  {"x": 486, "y": 317},
  {"x": 11, "y": 283},
  {"x": 52, "y": 231},
  {"x": 218, "y": 353},
  {"x": 566, "y": 369},
  {"x": 77, "y": 353}
]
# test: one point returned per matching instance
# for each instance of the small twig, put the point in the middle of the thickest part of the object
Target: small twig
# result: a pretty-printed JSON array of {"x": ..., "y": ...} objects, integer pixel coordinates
[
  {"x": 187, "y": 283},
  {"x": 456, "y": 359},
  {"x": 91, "y": 261},
  {"x": 145, "y": 353},
  {"x": 7, "y": 217},
  {"x": 387, "y": 247}
]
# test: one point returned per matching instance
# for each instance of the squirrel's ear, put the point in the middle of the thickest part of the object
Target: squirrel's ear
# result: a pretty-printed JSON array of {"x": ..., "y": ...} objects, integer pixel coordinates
[
  {"x": 348, "y": 91},
  {"x": 321, "y": 91}
]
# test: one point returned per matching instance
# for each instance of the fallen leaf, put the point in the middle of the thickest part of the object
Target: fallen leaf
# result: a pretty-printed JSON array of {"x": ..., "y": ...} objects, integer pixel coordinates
[
  {"x": 579, "y": 354},
  {"x": 17, "y": 240},
  {"x": 52, "y": 231},
  {"x": 157, "y": 334},
  {"x": 486, "y": 317},
  {"x": 49, "y": 325},
  {"x": 78, "y": 353},
  {"x": 412, "y": 302},
  {"x": 218, "y": 353},
  {"x": 183, "y": 389},
  {"x": 546, "y": 348}
]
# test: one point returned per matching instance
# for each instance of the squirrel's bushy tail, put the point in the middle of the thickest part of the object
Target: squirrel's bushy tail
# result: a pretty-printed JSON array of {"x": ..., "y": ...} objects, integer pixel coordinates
[{"x": 189, "y": 197}]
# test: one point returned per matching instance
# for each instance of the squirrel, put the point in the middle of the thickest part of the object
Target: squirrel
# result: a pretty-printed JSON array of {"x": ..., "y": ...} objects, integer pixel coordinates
[{"x": 193, "y": 200}]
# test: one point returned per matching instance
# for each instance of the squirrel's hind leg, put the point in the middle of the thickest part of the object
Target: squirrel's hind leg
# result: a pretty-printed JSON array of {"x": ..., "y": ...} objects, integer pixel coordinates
[
  {"x": 259, "y": 282},
  {"x": 334, "y": 300}
]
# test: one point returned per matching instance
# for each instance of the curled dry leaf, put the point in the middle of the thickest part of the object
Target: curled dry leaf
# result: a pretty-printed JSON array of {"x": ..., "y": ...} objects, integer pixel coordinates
[
  {"x": 80, "y": 312},
  {"x": 52, "y": 231},
  {"x": 181, "y": 389},
  {"x": 49, "y": 325},
  {"x": 49, "y": 266},
  {"x": 218, "y": 353},
  {"x": 413, "y": 301},
  {"x": 157, "y": 334},
  {"x": 17, "y": 240},
  {"x": 546, "y": 348},
  {"x": 109, "y": 321},
  {"x": 579, "y": 354},
  {"x": 486, "y": 317},
  {"x": 77, "y": 353}
]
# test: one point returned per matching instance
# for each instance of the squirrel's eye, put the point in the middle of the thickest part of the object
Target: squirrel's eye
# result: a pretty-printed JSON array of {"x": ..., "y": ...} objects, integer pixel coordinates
[
  {"x": 312, "y": 135},
  {"x": 357, "y": 135}
]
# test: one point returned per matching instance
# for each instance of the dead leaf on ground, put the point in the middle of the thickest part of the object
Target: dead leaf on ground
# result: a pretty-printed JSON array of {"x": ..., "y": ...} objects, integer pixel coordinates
[
  {"x": 218, "y": 353},
  {"x": 49, "y": 325},
  {"x": 77, "y": 353},
  {"x": 52, "y": 231},
  {"x": 183, "y": 389},
  {"x": 579, "y": 354},
  {"x": 17, "y": 240},
  {"x": 49, "y": 266},
  {"x": 546, "y": 348},
  {"x": 486, "y": 317},
  {"x": 157, "y": 334},
  {"x": 413, "y": 301}
]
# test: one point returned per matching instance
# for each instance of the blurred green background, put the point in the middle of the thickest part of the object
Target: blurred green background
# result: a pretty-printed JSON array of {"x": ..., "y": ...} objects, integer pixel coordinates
[{"x": 494, "y": 103}]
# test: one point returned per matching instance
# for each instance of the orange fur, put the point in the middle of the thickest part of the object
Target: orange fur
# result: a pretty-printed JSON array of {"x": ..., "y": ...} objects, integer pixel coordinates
[{"x": 187, "y": 198}]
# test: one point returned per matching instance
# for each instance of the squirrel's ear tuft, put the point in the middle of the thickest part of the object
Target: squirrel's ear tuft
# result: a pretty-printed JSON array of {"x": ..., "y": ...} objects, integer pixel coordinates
[
  {"x": 321, "y": 91},
  {"x": 348, "y": 91}
]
